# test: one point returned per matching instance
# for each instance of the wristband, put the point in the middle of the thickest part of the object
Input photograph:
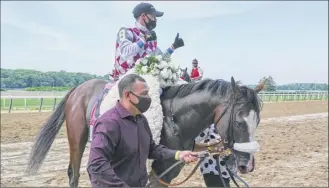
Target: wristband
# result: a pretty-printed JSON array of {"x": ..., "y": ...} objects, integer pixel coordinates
[
  {"x": 140, "y": 43},
  {"x": 170, "y": 50},
  {"x": 177, "y": 156},
  {"x": 210, "y": 148}
]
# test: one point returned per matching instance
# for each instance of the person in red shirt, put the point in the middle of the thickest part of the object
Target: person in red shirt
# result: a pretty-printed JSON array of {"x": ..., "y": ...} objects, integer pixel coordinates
[{"x": 197, "y": 72}]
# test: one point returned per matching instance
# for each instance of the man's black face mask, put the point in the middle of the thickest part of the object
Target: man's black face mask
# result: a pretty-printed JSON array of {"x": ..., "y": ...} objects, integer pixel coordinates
[
  {"x": 151, "y": 24},
  {"x": 144, "y": 103}
]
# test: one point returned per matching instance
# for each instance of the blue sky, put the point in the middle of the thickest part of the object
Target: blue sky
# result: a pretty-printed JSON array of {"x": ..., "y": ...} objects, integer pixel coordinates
[{"x": 248, "y": 40}]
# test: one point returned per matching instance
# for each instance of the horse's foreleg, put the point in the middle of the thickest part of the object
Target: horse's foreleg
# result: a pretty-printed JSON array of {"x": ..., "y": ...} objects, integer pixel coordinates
[{"x": 77, "y": 133}]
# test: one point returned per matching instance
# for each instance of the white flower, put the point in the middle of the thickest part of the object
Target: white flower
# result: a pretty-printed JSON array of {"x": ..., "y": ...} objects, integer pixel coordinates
[
  {"x": 144, "y": 62},
  {"x": 170, "y": 65},
  {"x": 162, "y": 65},
  {"x": 138, "y": 61},
  {"x": 169, "y": 73},
  {"x": 159, "y": 57},
  {"x": 172, "y": 82},
  {"x": 175, "y": 76},
  {"x": 164, "y": 73},
  {"x": 156, "y": 72},
  {"x": 166, "y": 58},
  {"x": 147, "y": 56},
  {"x": 175, "y": 67},
  {"x": 144, "y": 69},
  {"x": 162, "y": 82}
]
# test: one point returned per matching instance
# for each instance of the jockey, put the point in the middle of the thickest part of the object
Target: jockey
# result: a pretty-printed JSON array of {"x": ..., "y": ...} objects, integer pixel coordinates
[
  {"x": 197, "y": 72},
  {"x": 138, "y": 41}
]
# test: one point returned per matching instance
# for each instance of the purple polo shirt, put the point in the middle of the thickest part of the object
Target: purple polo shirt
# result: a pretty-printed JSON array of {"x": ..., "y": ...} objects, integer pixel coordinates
[{"x": 120, "y": 147}]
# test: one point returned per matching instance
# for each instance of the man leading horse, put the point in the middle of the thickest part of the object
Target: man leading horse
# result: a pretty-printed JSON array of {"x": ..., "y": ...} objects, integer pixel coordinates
[{"x": 211, "y": 99}]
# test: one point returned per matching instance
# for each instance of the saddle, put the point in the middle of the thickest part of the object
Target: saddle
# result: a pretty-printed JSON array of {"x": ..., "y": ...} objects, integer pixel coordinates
[{"x": 93, "y": 110}]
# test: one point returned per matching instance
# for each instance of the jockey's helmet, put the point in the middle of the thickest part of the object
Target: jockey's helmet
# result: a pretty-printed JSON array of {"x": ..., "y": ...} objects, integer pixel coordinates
[
  {"x": 195, "y": 61},
  {"x": 146, "y": 8}
]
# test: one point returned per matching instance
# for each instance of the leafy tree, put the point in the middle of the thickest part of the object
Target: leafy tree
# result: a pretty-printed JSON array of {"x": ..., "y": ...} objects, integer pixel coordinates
[{"x": 270, "y": 84}]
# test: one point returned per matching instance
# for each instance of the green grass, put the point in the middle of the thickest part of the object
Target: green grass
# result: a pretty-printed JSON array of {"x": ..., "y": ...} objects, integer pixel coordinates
[
  {"x": 34, "y": 104},
  {"x": 31, "y": 103}
]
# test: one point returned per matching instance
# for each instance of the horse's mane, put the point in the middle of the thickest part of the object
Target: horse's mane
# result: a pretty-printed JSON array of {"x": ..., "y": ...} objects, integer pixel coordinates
[
  {"x": 216, "y": 88},
  {"x": 207, "y": 85}
]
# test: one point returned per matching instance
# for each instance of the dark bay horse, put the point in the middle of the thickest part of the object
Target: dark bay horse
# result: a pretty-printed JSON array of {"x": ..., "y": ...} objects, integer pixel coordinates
[
  {"x": 188, "y": 109},
  {"x": 186, "y": 77}
]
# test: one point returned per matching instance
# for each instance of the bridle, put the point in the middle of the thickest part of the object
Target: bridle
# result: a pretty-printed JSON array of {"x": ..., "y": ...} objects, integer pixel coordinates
[{"x": 228, "y": 143}]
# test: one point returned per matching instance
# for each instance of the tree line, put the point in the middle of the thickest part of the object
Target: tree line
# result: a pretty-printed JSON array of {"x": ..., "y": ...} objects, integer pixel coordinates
[
  {"x": 33, "y": 80},
  {"x": 270, "y": 85},
  {"x": 26, "y": 78}
]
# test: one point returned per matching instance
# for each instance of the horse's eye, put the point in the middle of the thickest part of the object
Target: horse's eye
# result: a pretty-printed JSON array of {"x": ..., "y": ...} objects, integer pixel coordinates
[{"x": 239, "y": 124}]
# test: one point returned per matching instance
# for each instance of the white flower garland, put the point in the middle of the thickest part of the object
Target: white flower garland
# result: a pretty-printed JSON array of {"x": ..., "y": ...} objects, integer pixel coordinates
[{"x": 166, "y": 71}]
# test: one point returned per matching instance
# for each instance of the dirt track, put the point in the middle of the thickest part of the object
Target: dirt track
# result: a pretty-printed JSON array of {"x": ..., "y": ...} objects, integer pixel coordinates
[{"x": 294, "y": 152}]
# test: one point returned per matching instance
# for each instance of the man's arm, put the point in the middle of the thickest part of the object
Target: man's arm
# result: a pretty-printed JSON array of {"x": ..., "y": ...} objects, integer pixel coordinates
[
  {"x": 200, "y": 73},
  {"x": 166, "y": 54},
  {"x": 157, "y": 151},
  {"x": 160, "y": 152},
  {"x": 177, "y": 44},
  {"x": 105, "y": 139},
  {"x": 127, "y": 47}
]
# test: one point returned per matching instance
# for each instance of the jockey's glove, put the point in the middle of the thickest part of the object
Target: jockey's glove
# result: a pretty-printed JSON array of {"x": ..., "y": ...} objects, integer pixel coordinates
[
  {"x": 151, "y": 36},
  {"x": 178, "y": 42}
]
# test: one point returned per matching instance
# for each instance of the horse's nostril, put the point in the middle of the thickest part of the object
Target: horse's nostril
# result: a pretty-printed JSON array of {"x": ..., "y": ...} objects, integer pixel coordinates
[{"x": 243, "y": 169}]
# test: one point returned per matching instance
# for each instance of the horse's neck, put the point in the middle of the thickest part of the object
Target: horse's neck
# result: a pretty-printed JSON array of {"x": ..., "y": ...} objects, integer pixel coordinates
[{"x": 195, "y": 116}]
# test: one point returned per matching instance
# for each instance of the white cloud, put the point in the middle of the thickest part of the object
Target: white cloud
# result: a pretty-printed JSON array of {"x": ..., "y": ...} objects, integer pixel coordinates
[
  {"x": 46, "y": 37},
  {"x": 8, "y": 16}
]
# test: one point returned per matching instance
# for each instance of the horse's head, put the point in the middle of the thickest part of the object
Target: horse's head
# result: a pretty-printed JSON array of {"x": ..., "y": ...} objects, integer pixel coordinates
[
  {"x": 185, "y": 75},
  {"x": 190, "y": 108},
  {"x": 236, "y": 122}
]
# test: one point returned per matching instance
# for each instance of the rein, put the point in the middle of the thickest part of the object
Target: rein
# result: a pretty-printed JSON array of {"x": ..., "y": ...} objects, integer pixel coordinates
[{"x": 201, "y": 155}]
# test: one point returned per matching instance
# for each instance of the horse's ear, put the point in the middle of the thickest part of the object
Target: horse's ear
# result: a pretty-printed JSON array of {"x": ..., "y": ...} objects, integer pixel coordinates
[
  {"x": 260, "y": 86},
  {"x": 233, "y": 84}
]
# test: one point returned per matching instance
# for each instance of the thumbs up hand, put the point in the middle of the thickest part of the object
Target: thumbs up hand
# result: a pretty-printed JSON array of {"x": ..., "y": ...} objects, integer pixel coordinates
[{"x": 178, "y": 42}]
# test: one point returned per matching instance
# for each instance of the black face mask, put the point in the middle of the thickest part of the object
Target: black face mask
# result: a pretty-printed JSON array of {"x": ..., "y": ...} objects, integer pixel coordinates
[
  {"x": 144, "y": 103},
  {"x": 151, "y": 24},
  {"x": 195, "y": 65}
]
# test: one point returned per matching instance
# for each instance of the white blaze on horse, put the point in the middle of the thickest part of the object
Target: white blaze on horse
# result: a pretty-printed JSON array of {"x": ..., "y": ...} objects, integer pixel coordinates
[{"x": 177, "y": 117}]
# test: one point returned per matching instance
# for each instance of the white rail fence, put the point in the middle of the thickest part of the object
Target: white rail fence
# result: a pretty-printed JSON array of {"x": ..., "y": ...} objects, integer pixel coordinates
[{"x": 48, "y": 101}]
